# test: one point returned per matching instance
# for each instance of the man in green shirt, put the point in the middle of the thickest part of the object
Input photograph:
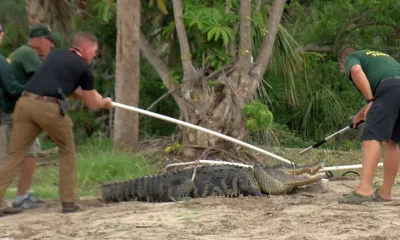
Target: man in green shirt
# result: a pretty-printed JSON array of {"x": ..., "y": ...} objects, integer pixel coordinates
[
  {"x": 377, "y": 76},
  {"x": 24, "y": 62},
  {"x": 10, "y": 86}
]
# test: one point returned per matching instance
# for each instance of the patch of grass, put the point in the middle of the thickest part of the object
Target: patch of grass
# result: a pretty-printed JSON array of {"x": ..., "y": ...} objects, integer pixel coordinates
[
  {"x": 45, "y": 143},
  {"x": 97, "y": 164},
  {"x": 190, "y": 216}
]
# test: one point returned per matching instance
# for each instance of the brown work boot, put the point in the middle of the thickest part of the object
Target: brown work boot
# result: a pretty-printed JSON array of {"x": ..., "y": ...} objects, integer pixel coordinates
[
  {"x": 11, "y": 210},
  {"x": 70, "y": 207}
]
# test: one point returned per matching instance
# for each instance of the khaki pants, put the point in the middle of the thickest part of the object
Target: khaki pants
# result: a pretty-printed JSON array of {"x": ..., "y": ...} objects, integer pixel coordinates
[
  {"x": 30, "y": 117},
  {"x": 6, "y": 119}
]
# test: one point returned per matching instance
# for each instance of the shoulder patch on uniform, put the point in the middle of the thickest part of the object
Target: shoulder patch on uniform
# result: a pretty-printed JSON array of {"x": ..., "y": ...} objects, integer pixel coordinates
[
  {"x": 376, "y": 53},
  {"x": 9, "y": 61}
]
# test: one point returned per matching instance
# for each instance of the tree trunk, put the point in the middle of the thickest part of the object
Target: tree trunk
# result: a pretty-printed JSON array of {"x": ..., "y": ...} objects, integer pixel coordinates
[
  {"x": 218, "y": 108},
  {"x": 126, "y": 123},
  {"x": 46, "y": 11},
  {"x": 38, "y": 11},
  {"x": 269, "y": 40}
]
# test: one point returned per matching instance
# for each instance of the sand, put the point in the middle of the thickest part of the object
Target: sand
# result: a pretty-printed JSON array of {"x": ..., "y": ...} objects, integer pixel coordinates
[{"x": 312, "y": 212}]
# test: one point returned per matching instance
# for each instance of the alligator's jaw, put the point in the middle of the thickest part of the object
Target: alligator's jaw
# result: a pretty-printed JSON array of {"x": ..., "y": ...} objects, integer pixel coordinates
[{"x": 280, "y": 180}]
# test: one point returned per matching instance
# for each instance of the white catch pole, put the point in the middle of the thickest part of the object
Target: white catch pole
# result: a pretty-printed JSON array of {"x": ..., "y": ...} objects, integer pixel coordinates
[
  {"x": 345, "y": 167},
  {"x": 162, "y": 117},
  {"x": 208, "y": 162}
]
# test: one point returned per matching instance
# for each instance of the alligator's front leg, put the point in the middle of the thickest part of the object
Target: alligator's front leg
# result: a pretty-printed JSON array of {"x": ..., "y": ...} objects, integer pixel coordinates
[
  {"x": 248, "y": 190},
  {"x": 180, "y": 189}
]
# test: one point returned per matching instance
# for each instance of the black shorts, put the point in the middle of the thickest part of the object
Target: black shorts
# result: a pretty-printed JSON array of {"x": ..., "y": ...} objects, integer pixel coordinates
[{"x": 383, "y": 118}]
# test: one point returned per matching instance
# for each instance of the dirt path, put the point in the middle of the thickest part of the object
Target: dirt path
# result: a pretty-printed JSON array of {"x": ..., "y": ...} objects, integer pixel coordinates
[{"x": 311, "y": 213}]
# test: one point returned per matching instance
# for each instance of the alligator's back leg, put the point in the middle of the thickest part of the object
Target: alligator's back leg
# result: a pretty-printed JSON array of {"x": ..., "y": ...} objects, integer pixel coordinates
[
  {"x": 108, "y": 192},
  {"x": 247, "y": 190},
  {"x": 244, "y": 183},
  {"x": 180, "y": 189}
]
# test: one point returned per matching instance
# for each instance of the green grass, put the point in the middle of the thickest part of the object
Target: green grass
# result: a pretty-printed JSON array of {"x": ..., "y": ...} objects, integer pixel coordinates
[
  {"x": 97, "y": 163},
  {"x": 45, "y": 143}
]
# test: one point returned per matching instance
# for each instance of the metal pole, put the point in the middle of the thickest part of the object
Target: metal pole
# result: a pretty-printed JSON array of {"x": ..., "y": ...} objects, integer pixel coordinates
[
  {"x": 324, "y": 140},
  {"x": 317, "y": 144},
  {"x": 162, "y": 117}
]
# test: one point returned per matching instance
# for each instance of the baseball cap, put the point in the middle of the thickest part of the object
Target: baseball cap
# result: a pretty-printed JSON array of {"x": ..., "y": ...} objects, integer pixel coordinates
[{"x": 43, "y": 30}]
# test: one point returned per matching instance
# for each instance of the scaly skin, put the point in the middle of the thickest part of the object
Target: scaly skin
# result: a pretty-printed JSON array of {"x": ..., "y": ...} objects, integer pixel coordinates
[
  {"x": 211, "y": 180},
  {"x": 279, "y": 180}
]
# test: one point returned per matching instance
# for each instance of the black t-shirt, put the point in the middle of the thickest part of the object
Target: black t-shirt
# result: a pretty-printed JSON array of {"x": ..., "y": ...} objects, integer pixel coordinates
[{"x": 63, "y": 69}]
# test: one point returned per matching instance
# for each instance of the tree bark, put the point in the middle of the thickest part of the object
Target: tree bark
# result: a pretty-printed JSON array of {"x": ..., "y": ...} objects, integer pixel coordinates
[
  {"x": 46, "y": 11},
  {"x": 245, "y": 37},
  {"x": 126, "y": 123},
  {"x": 189, "y": 72},
  {"x": 258, "y": 5},
  {"x": 232, "y": 49},
  {"x": 156, "y": 62},
  {"x": 38, "y": 11},
  {"x": 269, "y": 40},
  {"x": 245, "y": 49},
  {"x": 315, "y": 48}
]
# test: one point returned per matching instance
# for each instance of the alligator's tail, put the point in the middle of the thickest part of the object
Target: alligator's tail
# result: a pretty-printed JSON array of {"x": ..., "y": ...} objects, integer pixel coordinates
[{"x": 159, "y": 188}]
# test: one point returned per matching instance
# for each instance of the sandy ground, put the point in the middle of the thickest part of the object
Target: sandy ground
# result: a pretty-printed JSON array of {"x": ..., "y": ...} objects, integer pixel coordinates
[{"x": 310, "y": 213}]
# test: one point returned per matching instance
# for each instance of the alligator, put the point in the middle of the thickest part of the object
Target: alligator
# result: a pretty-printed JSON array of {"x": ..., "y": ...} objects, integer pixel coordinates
[{"x": 212, "y": 180}]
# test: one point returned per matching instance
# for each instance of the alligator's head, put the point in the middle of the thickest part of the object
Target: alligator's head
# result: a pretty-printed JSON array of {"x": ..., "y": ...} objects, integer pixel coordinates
[{"x": 279, "y": 180}]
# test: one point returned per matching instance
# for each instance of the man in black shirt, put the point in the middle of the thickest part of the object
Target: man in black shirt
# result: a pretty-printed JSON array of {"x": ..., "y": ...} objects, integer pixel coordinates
[{"x": 63, "y": 73}]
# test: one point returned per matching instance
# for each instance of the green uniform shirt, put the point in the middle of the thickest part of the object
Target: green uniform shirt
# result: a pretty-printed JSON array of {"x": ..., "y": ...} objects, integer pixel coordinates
[
  {"x": 376, "y": 66},
  {"x": 24, "y": 62},
  {"x": 10, "y": 88}
]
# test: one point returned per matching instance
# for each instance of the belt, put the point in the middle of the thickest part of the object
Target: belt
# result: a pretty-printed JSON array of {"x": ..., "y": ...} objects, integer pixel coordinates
[
  {"x": 390, "y": 78},
  {"x": 38, "y": 97},
  {"x": 383, "y": 80}
]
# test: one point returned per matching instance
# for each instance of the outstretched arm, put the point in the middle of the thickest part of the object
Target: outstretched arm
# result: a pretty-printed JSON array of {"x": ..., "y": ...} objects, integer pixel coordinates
[
  {"x": 79, "y": 94},
  {"x": 94, "y": 101}
]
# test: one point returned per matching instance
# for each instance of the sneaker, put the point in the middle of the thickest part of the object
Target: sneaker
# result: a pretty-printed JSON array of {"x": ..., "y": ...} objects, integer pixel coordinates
[
  {"x": 34, "y": 199},
  {"x": 25, "y": 203}
]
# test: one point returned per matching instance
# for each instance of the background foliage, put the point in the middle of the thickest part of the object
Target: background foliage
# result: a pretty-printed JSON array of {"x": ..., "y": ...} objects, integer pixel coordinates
[{"x": 307, "y": 96}]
